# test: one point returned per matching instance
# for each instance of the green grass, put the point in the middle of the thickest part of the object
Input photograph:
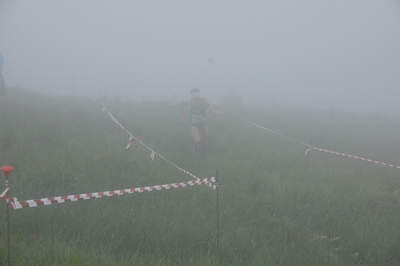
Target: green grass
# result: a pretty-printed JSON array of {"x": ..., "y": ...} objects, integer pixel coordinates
[{"x": 277, "y": 206}]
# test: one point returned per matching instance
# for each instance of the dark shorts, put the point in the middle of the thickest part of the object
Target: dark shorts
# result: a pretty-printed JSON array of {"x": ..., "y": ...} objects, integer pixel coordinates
[{"x": 200, "y": 126}]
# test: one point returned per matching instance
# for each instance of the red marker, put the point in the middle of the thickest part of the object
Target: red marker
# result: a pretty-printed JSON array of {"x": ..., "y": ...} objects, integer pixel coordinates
[{"x": 6, "y": 169}]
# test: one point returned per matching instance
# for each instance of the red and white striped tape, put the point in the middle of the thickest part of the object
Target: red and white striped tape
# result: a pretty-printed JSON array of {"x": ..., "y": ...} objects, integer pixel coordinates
[
  {"x": 15, "y": 204},
  {"x": 314, "y": 148},
  {"x": 4, "y": 195},
  {"x": 129, "y": 142},
  {"x": 152, "y": 152},
  {"x": 264, "y": 128},
  {"x": 355, "y": 157}
]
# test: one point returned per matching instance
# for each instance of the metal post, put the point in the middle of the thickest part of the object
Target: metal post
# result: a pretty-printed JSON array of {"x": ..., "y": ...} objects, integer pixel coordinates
[
  {"x": 6, "y": 170},
  {"x": 308, "y": 154},
  {"x": 217, "y": 216},
  {"x": 124, "y": 137},
  {"x": 229, "y": 123},
  {"x": 8, "y": 225}
]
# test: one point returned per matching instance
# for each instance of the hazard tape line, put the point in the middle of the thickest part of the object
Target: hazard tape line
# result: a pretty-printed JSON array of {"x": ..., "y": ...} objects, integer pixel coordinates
[
  {"x": 168, "y": 161},
  {"x": 264, "y": 128},
  {"x": 15, "y": 204},
  {"x": 355, "y": 157},
  {"x": 309, "y": 147},
  {"x": 4, "y": 195},
  {"x": 152, "y": 152}
]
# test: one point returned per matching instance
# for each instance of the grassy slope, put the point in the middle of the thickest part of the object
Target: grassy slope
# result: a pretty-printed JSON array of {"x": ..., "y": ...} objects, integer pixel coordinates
[{"x": 276, "y": 206}]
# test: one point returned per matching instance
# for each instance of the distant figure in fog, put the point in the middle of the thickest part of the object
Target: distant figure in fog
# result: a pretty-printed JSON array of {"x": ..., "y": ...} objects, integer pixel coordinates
[
  {"x": 200, "y": 111},
  {"x": 2, "y": 84}
]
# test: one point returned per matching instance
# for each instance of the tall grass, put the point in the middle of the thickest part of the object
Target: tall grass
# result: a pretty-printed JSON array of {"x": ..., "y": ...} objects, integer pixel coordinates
[{"x": 277, "y": 207}]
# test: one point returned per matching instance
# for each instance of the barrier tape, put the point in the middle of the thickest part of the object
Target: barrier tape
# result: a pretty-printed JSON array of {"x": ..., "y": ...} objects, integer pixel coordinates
[
  {"x": 264, "y": 128},
  {"x": 356, "y": 157},
  {"x": 129, "y": 142},
  {"x": 309, "y": 147},
  {"x": 4, "y": 195},
  {"x": 15, "y": 204},
  {"x": 152, "y": 152}
]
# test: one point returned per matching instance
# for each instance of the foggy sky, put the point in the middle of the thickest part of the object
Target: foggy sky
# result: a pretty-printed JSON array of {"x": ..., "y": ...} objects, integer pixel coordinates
[{"x": 316, "y": 54}]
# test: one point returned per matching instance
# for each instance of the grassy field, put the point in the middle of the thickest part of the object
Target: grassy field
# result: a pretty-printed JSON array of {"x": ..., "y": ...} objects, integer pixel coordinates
[{"x": 277, "y": 206}]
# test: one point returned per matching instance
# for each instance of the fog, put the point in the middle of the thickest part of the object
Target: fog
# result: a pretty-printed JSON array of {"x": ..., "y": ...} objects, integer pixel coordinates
[{"x": 311, "y": 54}]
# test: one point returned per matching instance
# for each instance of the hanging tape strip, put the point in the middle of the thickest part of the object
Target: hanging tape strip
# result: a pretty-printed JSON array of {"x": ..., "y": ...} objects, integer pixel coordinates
[
  {"x": 150, "y": 149},
  {"x": 4, "y": 195}
]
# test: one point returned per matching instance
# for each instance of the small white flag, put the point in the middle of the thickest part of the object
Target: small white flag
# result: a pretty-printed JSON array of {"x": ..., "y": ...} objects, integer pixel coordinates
[
  {"x": 129, "y": 142},
  {"x": 152, "y": 156}
]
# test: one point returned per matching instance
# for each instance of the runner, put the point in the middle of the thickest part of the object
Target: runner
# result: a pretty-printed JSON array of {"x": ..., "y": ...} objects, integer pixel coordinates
[{"x": 200, "y": 112}]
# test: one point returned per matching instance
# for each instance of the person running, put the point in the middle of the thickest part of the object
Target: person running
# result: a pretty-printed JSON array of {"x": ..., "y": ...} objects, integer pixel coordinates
[
  {"x": 200, "y": 111},
  {"x": 2, "y": 84}
]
